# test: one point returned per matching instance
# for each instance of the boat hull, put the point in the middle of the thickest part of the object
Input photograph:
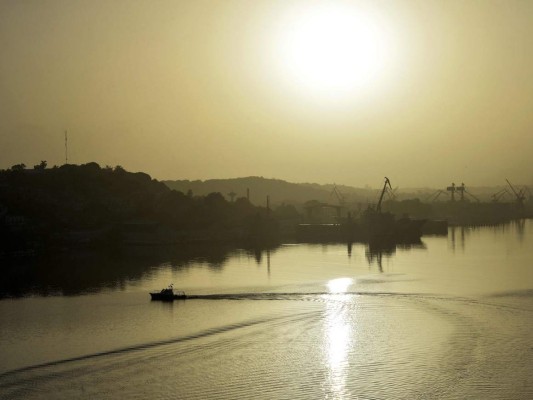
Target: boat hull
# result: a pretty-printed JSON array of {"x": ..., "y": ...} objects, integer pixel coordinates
[{"x": 166, "y": 297}]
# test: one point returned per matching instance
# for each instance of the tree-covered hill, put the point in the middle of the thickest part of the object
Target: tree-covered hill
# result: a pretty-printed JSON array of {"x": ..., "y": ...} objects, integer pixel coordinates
[
  {"x": 259, "y": 188},
  {"x": 52, "y": 204}
]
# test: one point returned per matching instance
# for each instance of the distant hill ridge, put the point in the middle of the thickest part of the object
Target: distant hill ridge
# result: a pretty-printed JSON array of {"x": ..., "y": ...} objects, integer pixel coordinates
[
  {"x": 259, "y": 188},
  {"x": 280, "y": 191}
]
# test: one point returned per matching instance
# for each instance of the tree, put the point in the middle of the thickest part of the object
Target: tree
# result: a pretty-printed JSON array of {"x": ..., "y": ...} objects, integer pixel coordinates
[
  {"x": 18, "y": 167},
  {"x": 41, "y": 166}
]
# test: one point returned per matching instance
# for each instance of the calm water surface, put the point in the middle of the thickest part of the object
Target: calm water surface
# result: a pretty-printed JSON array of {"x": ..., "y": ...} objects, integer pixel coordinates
[{"x": 451, "y": 318}]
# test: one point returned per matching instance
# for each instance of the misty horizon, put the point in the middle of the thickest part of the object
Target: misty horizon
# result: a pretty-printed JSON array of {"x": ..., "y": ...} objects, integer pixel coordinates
[
  {"x": 375, "y": 186},
  {"x": 427, "y": 94}
]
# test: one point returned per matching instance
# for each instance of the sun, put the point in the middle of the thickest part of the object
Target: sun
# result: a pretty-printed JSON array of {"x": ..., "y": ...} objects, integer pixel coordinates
[{"x": 334, "y": 49}]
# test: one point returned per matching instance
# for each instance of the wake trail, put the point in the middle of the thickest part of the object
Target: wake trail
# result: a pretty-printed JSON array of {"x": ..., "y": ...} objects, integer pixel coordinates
[
  {"x": 326, "y": 296},
  {"x": 154, "y": 344},
  {"x": 294, "y": 295}
]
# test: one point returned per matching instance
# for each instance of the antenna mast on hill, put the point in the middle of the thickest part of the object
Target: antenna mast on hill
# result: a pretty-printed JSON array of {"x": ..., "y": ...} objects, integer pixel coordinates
[{"x": 66, "y": 148}]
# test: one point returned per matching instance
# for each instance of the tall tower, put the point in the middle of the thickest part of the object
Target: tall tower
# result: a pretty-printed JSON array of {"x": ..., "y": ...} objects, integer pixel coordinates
[
  {"x": 452, "y": 189},
  {"x": 66, "y": 148}
]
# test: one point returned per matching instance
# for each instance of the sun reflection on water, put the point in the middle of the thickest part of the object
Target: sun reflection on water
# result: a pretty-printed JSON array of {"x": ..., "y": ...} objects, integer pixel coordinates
[
  {"x": 339, "y": 285},
  {"x": 338, "y": 337}
]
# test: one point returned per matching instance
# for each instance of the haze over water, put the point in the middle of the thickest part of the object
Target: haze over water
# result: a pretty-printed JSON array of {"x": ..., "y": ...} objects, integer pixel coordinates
[{"x": 448, "y": 319}]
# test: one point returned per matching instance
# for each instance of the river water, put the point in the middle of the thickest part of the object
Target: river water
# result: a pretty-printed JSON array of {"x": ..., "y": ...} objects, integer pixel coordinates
[{"x": 450, "y": 318}]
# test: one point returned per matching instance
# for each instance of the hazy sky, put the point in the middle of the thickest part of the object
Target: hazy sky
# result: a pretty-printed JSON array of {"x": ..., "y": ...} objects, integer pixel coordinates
[{"x": 424, "y": 92}]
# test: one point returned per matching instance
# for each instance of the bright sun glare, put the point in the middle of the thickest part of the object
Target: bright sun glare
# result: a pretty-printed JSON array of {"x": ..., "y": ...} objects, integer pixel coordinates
[{"x": 334, "y": 49}]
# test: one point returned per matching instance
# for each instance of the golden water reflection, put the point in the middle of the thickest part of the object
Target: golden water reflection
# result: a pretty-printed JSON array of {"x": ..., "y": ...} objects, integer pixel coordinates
[
  {"x": 339, "y": 285},
  {"x": 338, "y": 337}
]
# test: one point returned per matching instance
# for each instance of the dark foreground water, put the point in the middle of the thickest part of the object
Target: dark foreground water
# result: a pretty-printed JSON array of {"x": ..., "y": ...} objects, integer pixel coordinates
[{"x": 451, "y": 318}]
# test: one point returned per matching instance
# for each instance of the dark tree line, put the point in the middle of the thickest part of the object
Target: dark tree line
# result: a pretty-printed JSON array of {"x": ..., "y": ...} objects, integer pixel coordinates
[{"x": 48, "y": 202}]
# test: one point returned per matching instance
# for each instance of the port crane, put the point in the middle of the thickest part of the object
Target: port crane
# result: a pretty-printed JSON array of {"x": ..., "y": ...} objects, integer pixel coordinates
[
  {"x": 435, "y": 195},
  {"x": 520, "y": 196},
  {"x": 387, "y": 184},
  {"x": 526, "y": 190},
  {"x": 392, "y": 193},
  {"x": 338, "y": 195},
  {"x": 462, "y": 189},
  {"x": 452, "y": 189},
  {"x": 499, "y": 195}
]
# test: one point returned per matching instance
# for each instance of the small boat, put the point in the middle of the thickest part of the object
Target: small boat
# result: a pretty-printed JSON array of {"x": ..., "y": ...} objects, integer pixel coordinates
[{"x": 168, "y": 294}]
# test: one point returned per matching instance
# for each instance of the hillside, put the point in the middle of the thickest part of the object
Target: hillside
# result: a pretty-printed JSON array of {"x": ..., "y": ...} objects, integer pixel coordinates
[
  {"x": 279, "y": 191},
  {"x": 75, "y": 204}
]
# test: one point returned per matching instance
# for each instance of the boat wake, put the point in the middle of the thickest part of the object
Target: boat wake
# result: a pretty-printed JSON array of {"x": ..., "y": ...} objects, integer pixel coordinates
[
  {"x": 328, "y": 345},
  {"x": 145, "y": 346}
]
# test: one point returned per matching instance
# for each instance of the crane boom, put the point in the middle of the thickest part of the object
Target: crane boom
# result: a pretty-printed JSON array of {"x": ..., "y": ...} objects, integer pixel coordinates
[
  {"x": 498, "y": 195},
  {"x": 519, "y": 195},
  {"x": 387, "y": 182},
  {"x": 512, "y": 188},
  {"x": 338, "y": 194}
]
